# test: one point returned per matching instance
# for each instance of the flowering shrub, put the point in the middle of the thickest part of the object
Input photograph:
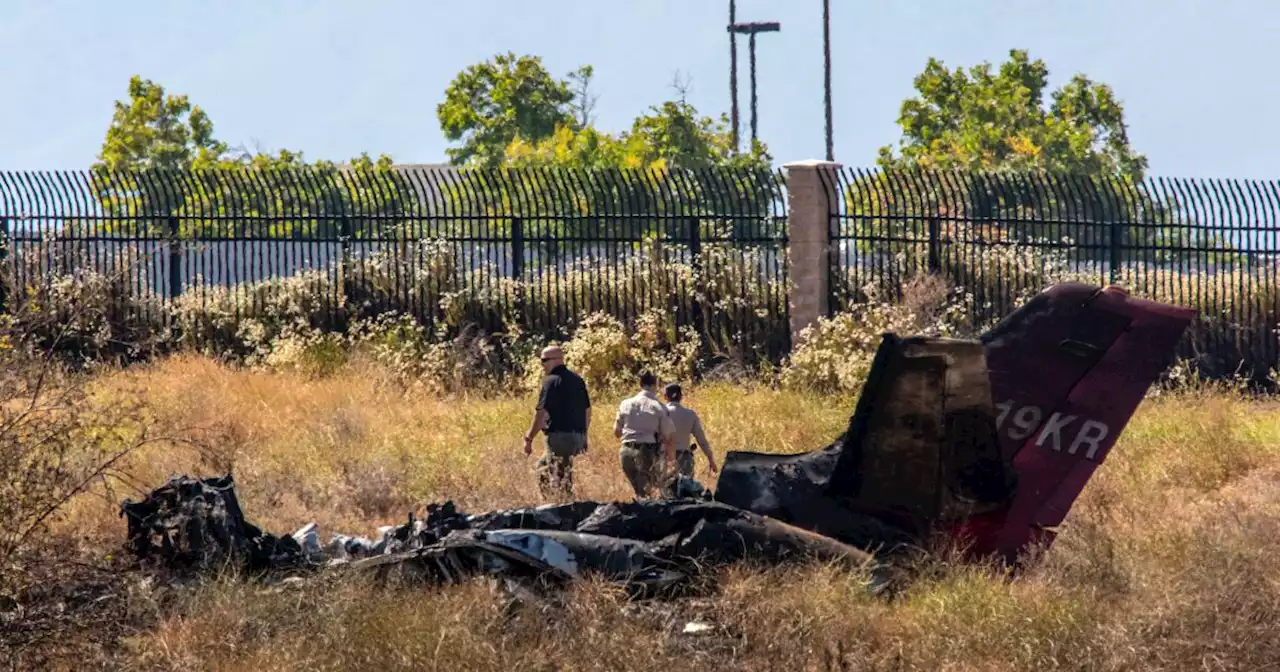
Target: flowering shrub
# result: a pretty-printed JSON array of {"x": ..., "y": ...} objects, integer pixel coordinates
[
  {"x": 244, "y": 322},
  {"x": 403, "y": 353},
  {"x": 463, "y": 326},
  {"x": 84, "y": 315},
  {"x": 609, "y": 355},
  {"x": 834, "y": 355}
]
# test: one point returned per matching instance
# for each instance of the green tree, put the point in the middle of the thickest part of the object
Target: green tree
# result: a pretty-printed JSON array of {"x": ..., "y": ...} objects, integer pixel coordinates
[
  {"x": 158, "y": 130},
  {"x": 151, "y": 131},
  {"x": 1017, "y": 161},
  {"x": 161, "y": 159},
  {"x": 664, "y": 165},
  {"x": 489, "y": 104},
  {"x": 980, "y": 120},
  {"x": 670, "y": 136}
]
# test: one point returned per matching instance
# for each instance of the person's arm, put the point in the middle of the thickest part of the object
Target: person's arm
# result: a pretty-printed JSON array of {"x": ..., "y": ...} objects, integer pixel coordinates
[
  {"x": 703, "y": 443},
  {"x": 617, "y": 421},
  {"x": 667, "y": 428},
  {"x": 540, "y": 416},
  {"x": 539, "y": 421}
]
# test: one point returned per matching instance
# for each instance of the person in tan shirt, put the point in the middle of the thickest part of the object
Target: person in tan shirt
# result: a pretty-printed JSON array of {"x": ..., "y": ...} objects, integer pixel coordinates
[
  {"x": 688, "y": 426},
  {"x": 644, "y": 425}
]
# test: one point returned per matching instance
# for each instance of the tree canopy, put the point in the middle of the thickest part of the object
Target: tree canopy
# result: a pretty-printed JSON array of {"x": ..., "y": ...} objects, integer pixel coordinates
[
  {"x": 158, "y": 130},
  {"x": 489, "y": 104},
  {"x": 1019, "y": 162},
  {"x": 656, "y": 167},
  {"x": 983, "y": 120},
  {"x": 669, "y": 136},
  {"x": 510, "y": 112},
  {"x": 161, "y": 158}
]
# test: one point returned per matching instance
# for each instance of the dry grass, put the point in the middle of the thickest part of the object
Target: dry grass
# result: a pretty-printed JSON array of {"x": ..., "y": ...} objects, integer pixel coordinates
[{"x": 1167, "y": 562}]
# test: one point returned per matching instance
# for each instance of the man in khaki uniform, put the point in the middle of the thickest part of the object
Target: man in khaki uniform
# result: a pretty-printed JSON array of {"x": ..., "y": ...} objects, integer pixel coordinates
[
  {"x": 644, "y": 425},
  {"x": 688, "y": 426}
]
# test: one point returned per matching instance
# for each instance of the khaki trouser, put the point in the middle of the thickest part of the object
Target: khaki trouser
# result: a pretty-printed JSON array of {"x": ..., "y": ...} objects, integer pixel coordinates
[
  {"x": 643, "y": 465},
  {"x": 555, "y": 467}
]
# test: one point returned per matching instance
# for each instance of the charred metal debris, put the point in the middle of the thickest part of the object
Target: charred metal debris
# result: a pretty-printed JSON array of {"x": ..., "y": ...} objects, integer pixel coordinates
[{"x": 983, "y": 444}]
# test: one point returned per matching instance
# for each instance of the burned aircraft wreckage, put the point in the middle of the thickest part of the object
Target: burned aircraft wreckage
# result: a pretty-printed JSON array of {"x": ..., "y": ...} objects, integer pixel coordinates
[{"x": 982, "y": 443}]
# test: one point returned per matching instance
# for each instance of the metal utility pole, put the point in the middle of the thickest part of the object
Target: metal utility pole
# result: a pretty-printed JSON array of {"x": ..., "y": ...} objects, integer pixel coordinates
[
  {"x": 733, "y": 70},
  {"x": 826, "y": 74},
  {"x": 750, "y": 29},
  {"x": 751, "y": 42}
]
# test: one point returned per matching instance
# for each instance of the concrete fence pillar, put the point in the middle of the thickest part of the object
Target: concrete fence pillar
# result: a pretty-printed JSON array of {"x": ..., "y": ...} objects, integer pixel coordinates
[{"x": 811, "y": 192}]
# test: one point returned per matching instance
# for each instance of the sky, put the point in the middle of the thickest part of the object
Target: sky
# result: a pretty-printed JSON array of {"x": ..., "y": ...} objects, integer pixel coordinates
[{"x": 334, "y": 79}]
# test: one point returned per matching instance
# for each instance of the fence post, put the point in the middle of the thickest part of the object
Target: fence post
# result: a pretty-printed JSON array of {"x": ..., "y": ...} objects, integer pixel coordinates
[
  {"x": 1113, "y": 273},
  {"x": 517, "y": 266},
  {"x": 811, "y": 194},
  {"x": 175, "y": 258},
  {"x": 517, "y": 248},
  {"x": 4, "y": 258},
  {"x": 935, "y": 245}
]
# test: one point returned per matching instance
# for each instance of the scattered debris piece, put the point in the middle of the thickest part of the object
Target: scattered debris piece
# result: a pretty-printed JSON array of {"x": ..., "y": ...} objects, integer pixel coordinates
[
  {"x": 696, "y": 628},
  {"x": 651, "y": 546},
  {"x": 198, "y": 524}
]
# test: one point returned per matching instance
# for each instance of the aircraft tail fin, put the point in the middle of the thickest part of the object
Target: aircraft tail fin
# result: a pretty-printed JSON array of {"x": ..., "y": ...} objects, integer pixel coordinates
[{"x": 1067, "y": 372}]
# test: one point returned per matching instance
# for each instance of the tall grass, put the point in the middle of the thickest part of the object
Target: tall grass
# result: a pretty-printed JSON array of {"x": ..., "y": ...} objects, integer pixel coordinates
[
  {"x": 350, "y": 417},
  {"x": 1167, "y": 561}
]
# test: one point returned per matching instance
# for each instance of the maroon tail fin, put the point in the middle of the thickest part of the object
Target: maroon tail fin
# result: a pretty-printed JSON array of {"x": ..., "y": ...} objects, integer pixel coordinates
[{"x": 1067, "y": 372}]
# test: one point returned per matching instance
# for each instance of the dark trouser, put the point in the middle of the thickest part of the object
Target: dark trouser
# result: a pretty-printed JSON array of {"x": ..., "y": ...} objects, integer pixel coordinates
[
  {"x": 684, "y": 462},
  {"x": 555, "y": 467},
  {"x": 642, "y": 463}
]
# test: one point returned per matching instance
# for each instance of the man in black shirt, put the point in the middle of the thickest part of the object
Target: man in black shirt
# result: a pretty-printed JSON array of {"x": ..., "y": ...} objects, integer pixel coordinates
[{"x": 564, "y": 413}]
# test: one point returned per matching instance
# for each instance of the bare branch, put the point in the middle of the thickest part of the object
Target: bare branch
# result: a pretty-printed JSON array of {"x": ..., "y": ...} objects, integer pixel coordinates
[
  {"x": 584, "y": 101},
  {"x": 681, "y": 87}
]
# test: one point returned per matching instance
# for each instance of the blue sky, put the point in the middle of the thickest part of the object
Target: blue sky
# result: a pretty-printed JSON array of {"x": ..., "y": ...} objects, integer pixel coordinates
[{"x": 334, "y": 78}]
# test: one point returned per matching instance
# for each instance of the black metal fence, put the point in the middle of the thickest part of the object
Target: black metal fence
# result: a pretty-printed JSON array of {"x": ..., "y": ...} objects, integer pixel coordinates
[
  {"x": 534, "y": 249},
  {"x": 1210, "y": 244},
  {"x": 218, "y": 252}
]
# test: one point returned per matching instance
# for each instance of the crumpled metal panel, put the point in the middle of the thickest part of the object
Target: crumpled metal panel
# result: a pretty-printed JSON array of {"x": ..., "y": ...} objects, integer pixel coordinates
[
  {"x": 920, "y": 449},
  {"x": 198, "y": 524},
  {"x": 536, "y": 545}
]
